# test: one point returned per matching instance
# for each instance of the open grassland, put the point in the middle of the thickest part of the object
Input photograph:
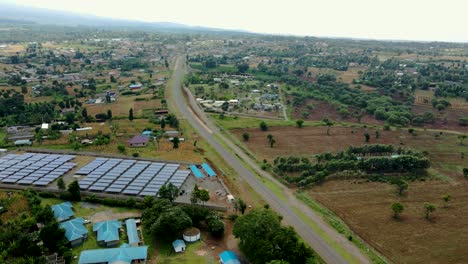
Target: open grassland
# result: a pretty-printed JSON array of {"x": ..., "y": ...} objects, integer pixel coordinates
[
  {"x": 123, "y": 104},
  {"x": 16, "y": 204},
  {"x": 365, "y": 206}
]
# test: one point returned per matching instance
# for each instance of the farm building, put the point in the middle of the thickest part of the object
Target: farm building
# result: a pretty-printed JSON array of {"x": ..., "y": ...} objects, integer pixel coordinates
[
  {"x": 75, "y": 231},
  {"x": 132, "y": 232},
  {"x": 138, "y": 141},
  {"x": 172, "y": 133},
  {"x": 62, "y": 211},
  {"x": 135, "y": 86},
  {"x": 121, "y": 255},
  {"x": 228, "y": 257},
  {"x": 107, "y": 232},
  {"x": 23, "y": 142},
  {"x": 147, "y": 133},
  {"x": 179, "y": 245},
  {"x": 208, "y": 169}
]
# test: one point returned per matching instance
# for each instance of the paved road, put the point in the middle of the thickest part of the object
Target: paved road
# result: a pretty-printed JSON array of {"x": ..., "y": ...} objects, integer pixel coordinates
[{"x": 207, "y": 130}]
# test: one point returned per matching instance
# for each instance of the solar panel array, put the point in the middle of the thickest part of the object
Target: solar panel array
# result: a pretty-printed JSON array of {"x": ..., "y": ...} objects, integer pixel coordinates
[
  {"x": 130, "y": 177},
  {"x": 33, "y": 168}
]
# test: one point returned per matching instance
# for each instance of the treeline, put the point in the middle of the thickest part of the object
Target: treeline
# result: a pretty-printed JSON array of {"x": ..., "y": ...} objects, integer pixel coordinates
[
  {"x": 22, "y": 241},
  {"x": 368, "y": 160}
]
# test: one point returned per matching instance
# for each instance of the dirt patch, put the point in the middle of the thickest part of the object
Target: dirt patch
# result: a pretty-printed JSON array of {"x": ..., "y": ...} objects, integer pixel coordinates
[{"x": 110, "y": 215}]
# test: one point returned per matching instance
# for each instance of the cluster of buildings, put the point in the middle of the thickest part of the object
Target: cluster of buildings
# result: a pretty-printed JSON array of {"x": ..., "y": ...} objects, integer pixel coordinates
[
  {"x": 144, "y": 138},
  {"x": 107, "y": 235}
]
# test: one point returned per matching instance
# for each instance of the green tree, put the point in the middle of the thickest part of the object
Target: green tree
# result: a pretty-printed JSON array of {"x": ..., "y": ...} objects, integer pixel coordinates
[
  {"x": 163, "y": 123},
  {"x": 269, "y": 137},
  {"x": 272, "y": 143},
  {"x": 169, "y": 192},
  {"x": 367, "y": 136},
  {"x": 428, "y": 209},
  {"x": 121, "y": 148},
  {"x": 240, "y": 205},
  {"x": 263, "y": 239},
  {"x": 278, "y": 262},
  {"x": 300, "y": 123},
  {"x": 74, "y": 190},
  {"x": 204, "y": 195},
  {"x": 84, "y": 114},
  {"x": 130, "y": 114},
  {"x": 329, "y": 124},
  {"x": 175, "y": 142},
  {"x": 377, "y": 135},
  {"x": 61, "y": 184},
  {"x": 397, "y": 208},
  {"x": 446, "y": 198},
  {"x": 171, "y": 223},
  {"x": 242, "y": 67},
  {"x": 194, "y": 198},
  {"x": 263, "y": 126},
  {"x": 52, "y": 236},
  {"x": 465, "y": 172},
  {"x": 461, "y": 138},
  {"x": 245, "y": 136},
  {"x": 109, "y": 114},
  {"x": 401, "y": 185}
]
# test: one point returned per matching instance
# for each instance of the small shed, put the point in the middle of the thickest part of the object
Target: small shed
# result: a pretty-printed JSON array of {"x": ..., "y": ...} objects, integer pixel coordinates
[
  {"x": 228, "y": 257},
  {"x": 192, "y": 234},
  {"x": 179, "y": 245},
  {"x": 23, "y": 142},
  {"x": 138, "y": 141},
  {"x": 132, "y": 232}
]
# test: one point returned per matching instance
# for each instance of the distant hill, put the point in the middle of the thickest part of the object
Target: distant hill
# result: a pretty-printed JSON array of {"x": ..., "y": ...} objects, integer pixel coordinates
[{"x": 25, "y": 15}]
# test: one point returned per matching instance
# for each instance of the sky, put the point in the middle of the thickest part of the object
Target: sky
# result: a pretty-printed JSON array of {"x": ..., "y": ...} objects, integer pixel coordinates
[{"x": 426, "y": 20}]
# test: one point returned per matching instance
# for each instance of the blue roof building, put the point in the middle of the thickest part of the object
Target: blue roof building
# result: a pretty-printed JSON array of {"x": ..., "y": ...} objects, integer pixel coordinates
[
  {"x": 132, "y": 232},
  {"x": 208, "y": 169},
  {"x": 107, "y": 232},
  {"x": 122, "y": 255},
  {"x": 228, "y": 257},
  {"x": 178, "y": 245},
  {"x": 75, "y": 231},
  {"x": 196, "y": 171},
  {"x": 147, "y": 133},
  {"x": 62, "y": 211}
]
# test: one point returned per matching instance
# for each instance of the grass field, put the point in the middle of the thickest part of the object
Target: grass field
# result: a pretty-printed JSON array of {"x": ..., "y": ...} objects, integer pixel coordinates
[
  {"x": 195, "y": 254},
  {"x": 365, "y": 206}
]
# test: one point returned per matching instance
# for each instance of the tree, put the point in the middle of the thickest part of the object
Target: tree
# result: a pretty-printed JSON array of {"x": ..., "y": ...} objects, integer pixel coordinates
[
  {"x": 367, "y": 136},
  {"x": 163, "y": 123},
  {"x": 121, "y": 148},
  {"x": 329, "y": 124},
  {"x": 51, "y": 235},
  {"x": 465, "y": 172},
  {"x": 109, "y": 114},
  {"x": 263, "y": 126},
  {"x": 245, "y": 136},
  {"x": 377, "y": 135},
  {"x": 242, "y": 67},
  {"x": 269, "y": 137},
  {"x": 278, "y": 262},
  {"x": 61, "y": 184},
  {"x": 461, "y": 138},
  {"x": 401, "y": 185},
  {"x": 397, "y": 208},
  {"x": 130, "y": 114},
  {"x": 194, "y": 198},
  {"x": 74, "y": 190},
  {"x": 428, "y": 209},
  {"x": 215, "y": 225},
  {"x": 171, "y": 223},
  {"x": 240, "y": 205},
  {"x": 175, "y": 142},
  {"x": 446, "y": 198},
  {"x": 263, "y": 239},
  {"x": 300, "y": 123},
  {"x": 84, "y": 114},
  {"x": 272, "y": 143},
  {"x": 204, "y": 195},
  {"x": 169, "y": 192}
]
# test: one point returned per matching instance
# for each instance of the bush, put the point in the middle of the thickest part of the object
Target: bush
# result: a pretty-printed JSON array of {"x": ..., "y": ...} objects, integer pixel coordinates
[
  {"x": 47, "y": 195},
  {"x": 136, "y": 154}
]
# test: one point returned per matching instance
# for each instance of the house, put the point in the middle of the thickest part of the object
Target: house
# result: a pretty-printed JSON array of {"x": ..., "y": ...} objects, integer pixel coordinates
[
  {"x": 147, "y": 133},
  {"x": 179, "y": 245},
  {"x": 228, "y": 257},
  {"x": 172, "y": 133},
  {"x": 107, "y": 232},
  {"x": 132, "y": 232},
  {"x": 161, "y": 112},
  {"x": 23, "y": 142},
  {"x": 121, "y": 255},
  {"x": 138, "y": 141},
  {"x": 62, "y": 211},
  {"x": 135, "y": 86},
  {"x": 75, "y": 231}
]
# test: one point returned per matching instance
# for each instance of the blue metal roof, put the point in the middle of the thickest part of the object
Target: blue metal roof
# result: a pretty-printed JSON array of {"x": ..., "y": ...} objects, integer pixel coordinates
[
  {"x": 107, "y": 230},
  {"x": 208, "y": 169},
  {"x": 62, "y": 211},
  {"x": 132, "y": 232},
  {"x": 229, "y": 257},
  {"x": 178, "y": 245},
  {"x": 74, "y": 229},
  {"x": 111, "y": 255},
  {"x": 196, "y": 171}
]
